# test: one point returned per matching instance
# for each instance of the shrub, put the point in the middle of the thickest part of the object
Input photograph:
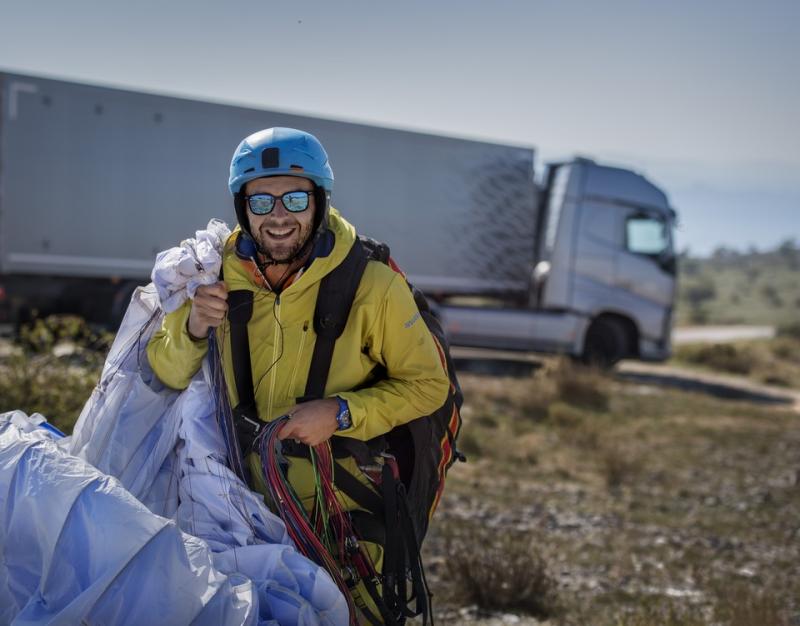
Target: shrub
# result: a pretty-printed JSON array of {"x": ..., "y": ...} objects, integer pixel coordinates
[
  {"x": 791, "y": 330},
  {"x": 787, "y": 348},
  {"x": 468, "y": 443},
  {"x": 619, "y": 467},
  {"x": 499, "y": 570},
  {"x": 562, "y": 414},
  {"x": 772, "y": 295},
  {"x": 42, "y": 335},
  {"x": 741, "y": 604},
  {"x": 54, "y": 369},
  {"x": 719, "y": 356},
  {"x": 47, "y": 385},
  {"x": 581, "y": 386},
  {"x": 698, "y": 314},
  {"x": 700, "y": 291}
]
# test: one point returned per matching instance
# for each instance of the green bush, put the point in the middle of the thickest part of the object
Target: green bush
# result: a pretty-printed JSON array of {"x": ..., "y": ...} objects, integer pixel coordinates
[
  {"x": 47, "y": 385},
  {"x": 42, "y": 335},
  {"x": 53, "y": 369}
]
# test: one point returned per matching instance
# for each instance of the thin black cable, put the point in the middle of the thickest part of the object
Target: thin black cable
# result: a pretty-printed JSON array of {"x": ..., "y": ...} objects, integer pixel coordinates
[{"x": 280, "y": 354}]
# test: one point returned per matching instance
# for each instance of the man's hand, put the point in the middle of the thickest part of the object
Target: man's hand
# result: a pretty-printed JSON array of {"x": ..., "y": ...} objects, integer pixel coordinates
[
  {"x": 311, "y": 422},
  {"x": 209, "y": 307}
]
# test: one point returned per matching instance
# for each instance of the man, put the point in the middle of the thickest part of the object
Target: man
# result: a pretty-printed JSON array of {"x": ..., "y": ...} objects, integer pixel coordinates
[{"x": 385, "y": 370}]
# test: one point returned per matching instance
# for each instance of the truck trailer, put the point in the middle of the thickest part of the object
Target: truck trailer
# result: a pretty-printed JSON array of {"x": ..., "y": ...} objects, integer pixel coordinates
[{"x": 94, "y": 181}]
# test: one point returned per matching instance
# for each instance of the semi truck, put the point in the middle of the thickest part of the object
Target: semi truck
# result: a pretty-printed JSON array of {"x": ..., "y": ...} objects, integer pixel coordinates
[{"x": 94, "y": 181}]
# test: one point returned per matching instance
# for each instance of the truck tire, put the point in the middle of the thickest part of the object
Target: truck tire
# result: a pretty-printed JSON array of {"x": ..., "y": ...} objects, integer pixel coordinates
[{"x": 606, "y": 343}]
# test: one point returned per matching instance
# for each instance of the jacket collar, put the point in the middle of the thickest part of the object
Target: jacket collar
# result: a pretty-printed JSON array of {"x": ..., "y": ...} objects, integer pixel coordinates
[{"x": 329, "y": 251}]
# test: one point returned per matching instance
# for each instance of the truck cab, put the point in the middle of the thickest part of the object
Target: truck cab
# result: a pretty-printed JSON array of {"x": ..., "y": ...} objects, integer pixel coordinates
[{"x": 603, "y": 272}]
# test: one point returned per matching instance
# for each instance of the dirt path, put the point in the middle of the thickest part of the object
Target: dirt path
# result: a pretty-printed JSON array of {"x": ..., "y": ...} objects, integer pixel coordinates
[
  {"x": 520, "y": 364},
  {"x": 720, "y": 334},
  {"x": 719, "y": 385}
]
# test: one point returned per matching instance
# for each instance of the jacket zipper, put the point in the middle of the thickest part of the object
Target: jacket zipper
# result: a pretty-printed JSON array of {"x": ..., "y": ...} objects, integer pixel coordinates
[
  {"x": 297, "y": 358},
  {"x": 277, "y": 336}
]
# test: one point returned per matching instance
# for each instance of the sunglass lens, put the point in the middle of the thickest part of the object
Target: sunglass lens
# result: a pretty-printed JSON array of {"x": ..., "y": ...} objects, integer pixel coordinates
[
  {"x": 295, "y": 201},
  {"x": 261, "y": 204}
]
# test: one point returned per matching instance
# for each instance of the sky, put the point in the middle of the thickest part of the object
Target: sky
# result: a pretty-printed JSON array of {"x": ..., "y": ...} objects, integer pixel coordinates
[{"x": 701, "y": 97}]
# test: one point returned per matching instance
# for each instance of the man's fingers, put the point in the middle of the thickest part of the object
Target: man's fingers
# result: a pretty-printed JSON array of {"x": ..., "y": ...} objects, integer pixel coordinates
[
  {"x": 212, "y": 302},
  {"x": 287, "y": 431},
  {"x": 212, "y": 306},
  {"x": 217, "y": 290}
]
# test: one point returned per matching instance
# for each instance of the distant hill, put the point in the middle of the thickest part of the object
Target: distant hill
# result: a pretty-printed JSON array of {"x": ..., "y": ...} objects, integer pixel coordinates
[{"x": 733, "y": 287}]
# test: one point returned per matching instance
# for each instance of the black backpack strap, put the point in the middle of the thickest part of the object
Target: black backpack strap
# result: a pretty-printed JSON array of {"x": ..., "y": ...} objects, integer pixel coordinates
[
  {"x": 334, "y": 301},
  {"x": 240, "y": 310},
  {"x": 245, "y": 415}
]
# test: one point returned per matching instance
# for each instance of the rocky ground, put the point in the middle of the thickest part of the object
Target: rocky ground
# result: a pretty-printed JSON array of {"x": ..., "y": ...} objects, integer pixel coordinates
[{"x": 631, "y": 504}]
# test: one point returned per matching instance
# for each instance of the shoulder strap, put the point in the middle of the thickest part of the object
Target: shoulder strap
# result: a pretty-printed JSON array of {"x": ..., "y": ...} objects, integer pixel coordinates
[
  {"x": 334, "y": 301},
  {"x": 240, "y": 310}
]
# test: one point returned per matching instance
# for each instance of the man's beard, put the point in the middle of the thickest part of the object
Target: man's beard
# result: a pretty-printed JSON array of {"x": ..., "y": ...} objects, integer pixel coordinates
[{"x": 282, "y": 253}]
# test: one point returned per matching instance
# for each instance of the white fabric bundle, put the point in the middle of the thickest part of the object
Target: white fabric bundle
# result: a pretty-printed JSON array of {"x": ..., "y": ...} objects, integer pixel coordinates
[
  {"x": 179, "y": 271},
  {"x": 175, "y": 536}
]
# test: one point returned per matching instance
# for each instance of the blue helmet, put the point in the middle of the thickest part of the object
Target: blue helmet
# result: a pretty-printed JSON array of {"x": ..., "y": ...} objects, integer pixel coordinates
[{"x": 281, "y": 152}]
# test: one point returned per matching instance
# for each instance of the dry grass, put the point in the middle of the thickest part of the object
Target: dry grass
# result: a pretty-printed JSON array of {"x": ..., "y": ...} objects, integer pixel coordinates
[
  {"x": 619, "y": 466},
  {"x": 740, "y": 604},
  {"x": 662, "y": 613},
  {"x": 774, "y": 362},
  {"x": 498, "y": 570},
  {"x": 585, "y": 501},
  {"x": 654, "y": 510}
]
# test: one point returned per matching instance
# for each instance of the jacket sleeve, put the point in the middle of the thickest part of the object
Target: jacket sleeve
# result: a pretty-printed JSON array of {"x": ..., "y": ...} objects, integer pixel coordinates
[
  {"x": 416, "y": 381},
  {"x": 174, "y": 356}
]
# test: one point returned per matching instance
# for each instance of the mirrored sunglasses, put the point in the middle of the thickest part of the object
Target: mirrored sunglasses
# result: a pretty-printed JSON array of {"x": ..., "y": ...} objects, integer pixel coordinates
[{"x": 293, "y": 201}]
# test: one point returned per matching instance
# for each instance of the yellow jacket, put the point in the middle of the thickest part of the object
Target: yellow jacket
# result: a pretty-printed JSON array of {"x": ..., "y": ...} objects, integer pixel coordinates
[{"x": 384, "y": 329}]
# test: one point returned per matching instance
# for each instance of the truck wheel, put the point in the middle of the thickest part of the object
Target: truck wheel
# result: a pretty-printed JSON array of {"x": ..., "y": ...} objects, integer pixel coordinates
[{"x": 606, "y": 343}]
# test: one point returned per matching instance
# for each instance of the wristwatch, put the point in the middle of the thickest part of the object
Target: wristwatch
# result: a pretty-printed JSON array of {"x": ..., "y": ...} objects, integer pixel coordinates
[{"x": 343, "y": 416}]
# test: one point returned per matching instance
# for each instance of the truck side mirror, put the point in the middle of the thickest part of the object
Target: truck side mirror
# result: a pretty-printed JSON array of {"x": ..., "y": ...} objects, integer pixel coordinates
[{"x": 668, "y": 262}]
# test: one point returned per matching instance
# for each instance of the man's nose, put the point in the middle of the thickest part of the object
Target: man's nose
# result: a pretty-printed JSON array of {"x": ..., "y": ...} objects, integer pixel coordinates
[{"x": 279, "y": 210}]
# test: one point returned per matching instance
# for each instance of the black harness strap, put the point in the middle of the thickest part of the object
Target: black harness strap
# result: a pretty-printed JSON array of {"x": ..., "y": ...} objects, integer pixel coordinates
[
  {"x": 334, "y": 301},
  {"x": 245, "y": 415},
  {"x": 362, "y": 495},
  {"x": 240, "y": 310}
]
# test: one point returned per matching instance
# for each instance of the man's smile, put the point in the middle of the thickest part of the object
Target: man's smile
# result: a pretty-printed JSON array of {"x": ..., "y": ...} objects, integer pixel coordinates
[{"x": 280, "y": 233}]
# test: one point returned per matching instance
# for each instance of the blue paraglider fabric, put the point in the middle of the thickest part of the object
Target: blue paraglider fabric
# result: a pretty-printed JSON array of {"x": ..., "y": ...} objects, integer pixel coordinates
[{"x": 137, "y": 517}]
